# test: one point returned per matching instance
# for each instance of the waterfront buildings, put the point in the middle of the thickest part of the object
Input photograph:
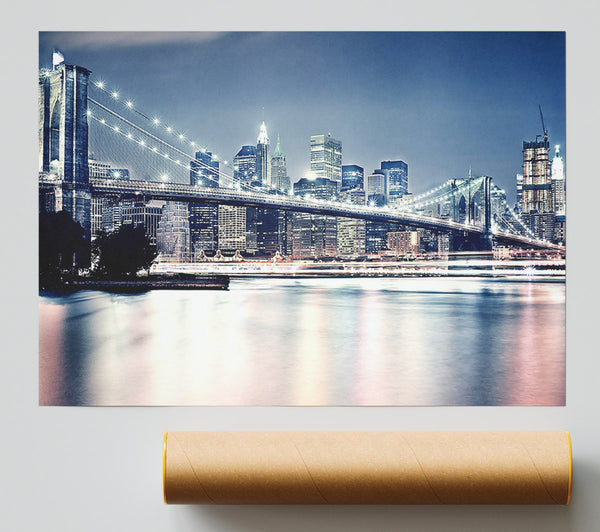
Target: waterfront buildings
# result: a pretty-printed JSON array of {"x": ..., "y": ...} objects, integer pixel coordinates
[
  {"x": 173, "y": 231},
  {"x": 351, "y": 233},
  {"x": 232, "y": 228},
  {"x": 147, "y": 215},
  {"x": 314, "y": 235},
  {"x": 404, "y": 242},
  {"x": 326, "y": 158}
]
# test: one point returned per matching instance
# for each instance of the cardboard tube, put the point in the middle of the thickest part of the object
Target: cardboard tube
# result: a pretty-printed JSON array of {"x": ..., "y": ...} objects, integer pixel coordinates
[{"x": 367, "y": 467}]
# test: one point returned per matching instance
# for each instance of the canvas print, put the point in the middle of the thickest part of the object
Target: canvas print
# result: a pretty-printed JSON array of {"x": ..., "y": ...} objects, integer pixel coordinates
[{"x": 302, "y": 218}]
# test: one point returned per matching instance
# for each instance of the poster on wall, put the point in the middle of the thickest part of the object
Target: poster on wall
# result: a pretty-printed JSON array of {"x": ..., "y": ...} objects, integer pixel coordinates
[{"x": 302, "y": 218}]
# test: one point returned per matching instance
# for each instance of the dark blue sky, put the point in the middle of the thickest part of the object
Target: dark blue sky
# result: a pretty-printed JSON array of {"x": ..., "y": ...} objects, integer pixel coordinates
[{"x": 442, "y": 102}]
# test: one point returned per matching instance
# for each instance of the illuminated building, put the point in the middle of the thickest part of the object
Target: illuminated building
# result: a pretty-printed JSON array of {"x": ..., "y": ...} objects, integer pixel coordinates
[
  {"x": 558, "y": 183},
  {"x": 232, "y": 228},
  {"x": 263, "y": 158},
  {"x": 203, "y": 217},
  {"x": 352, "y": 176},
  {"x": 119, "y": 173},
  {"x": 519, "y": 204},
  {"x": 244, "y": 166},
  {"x": 314, "y": 235},
  {"x": 326, "y": 158},
  {"x": 537, "y": 177},
  {"x": 351, "y": 233},
  {"x": 146, "y": 215},
  {"x": 396, "y": 173},
  {"x": 173, "y": 232},
  {"x": 98, "y": 169},
  {"x": 404, "y": 242},
  {"x": 376, "y": 188},
  {"x": 280, "y": 178}
]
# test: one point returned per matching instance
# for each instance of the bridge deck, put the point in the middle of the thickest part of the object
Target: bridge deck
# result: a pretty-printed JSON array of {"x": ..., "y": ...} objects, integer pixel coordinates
[{"x": 145, "y": 190}]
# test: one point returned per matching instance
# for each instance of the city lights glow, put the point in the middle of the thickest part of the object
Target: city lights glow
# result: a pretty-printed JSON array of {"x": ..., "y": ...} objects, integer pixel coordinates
[{"x": 439, "y": 195}]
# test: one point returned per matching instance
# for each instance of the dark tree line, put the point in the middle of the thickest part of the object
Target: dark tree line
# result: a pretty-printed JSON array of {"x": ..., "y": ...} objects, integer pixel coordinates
[
  {"x": 63, "y": 248},
  {"x": 64, "y": 251},
  {"x": 122, "y": 253}
]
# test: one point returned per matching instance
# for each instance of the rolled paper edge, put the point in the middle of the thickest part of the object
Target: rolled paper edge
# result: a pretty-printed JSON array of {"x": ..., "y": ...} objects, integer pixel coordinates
[
  {"x": 570, "y": 468},
  {"x": 164, "y": 467},
  {"x": 569, "y": 488}
]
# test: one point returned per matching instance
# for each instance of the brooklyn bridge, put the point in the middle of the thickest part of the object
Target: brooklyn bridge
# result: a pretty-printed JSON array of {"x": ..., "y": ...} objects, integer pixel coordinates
[{"x": 73, "y": 106}]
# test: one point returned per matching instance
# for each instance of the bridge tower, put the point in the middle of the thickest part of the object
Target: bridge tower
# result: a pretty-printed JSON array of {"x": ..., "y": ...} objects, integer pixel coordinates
[
  {"x": 63, "y": 140},
  {"x": 486, "y": 237},
  {"x": 464, "y": 211}
]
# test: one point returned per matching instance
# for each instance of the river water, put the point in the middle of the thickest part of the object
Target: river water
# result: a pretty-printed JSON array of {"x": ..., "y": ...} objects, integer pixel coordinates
[{"x": 392, "y": 341}]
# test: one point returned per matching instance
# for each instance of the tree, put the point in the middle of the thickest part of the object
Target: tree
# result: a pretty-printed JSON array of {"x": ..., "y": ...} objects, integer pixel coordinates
[
  {"x": 62, "y": 248},
  {"x": 123, "y": 252}
]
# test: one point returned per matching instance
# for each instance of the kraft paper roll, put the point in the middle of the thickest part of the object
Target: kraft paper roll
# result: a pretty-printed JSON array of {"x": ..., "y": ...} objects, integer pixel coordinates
[{"x": 367, "y": 468}]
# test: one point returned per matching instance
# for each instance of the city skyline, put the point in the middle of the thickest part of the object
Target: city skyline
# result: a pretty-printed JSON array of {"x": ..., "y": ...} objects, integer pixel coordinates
[{"x": 455, "y": 91}]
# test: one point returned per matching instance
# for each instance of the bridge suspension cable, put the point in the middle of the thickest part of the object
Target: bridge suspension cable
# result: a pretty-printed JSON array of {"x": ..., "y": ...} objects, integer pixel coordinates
[
  {"x": 195, "y": 162},
  {"x": 409, "y": 204},
  {"x": 447, "y": 195},
  {"x": 128, "y": 104}
]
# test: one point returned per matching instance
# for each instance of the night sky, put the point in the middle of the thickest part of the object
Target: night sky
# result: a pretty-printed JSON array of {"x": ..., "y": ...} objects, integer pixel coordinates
[{"x": 442, "y": 102}]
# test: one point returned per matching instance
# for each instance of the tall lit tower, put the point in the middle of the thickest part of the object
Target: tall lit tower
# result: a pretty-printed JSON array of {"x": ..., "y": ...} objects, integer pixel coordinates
[
  {"x": 397, "y": 179},
  {"x": 537, "y": 177},
  {"x": 263, "y": 157},
  {"x": 326, "y": 158},
  {"x": 244, "y": 165},
  {"x": 203, "y": 217},
  {"x": 538, "y": 209},
  {"x": 279, "y": 169},
  {"x": 558, "y": 182}
]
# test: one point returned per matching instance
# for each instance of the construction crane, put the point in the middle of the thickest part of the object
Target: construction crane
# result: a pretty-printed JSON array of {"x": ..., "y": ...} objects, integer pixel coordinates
[{"x": 543, "y": 126}]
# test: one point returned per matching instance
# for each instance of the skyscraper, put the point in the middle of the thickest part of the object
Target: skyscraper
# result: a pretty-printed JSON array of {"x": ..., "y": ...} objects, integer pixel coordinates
[
  {"x": 397, "y": 179},
  {"x": 263, "y": 158},
  {"x": 203, "y": 217},
  {"x": 173, "y": 232},
  {"x": 232, "y": 228},
  {"x": 279, "y": 169},
  {"x": 537, "y": 194},
  {"x": 244, "y": 166},
  {"x": 326, "y": 158},
  {"x": 204, "y": 170},
  {"x": 519, "y": 204},
  {"x": 244, "y": 176},
  {"x": 352, "y": 176},
  {"x": 314, "y": 235},
  {"x": 558, "y": 183},
  {"x": 351, "y": 233},
  {"x": 538, "y": 212},
  {"x": 376, "y": 188}
]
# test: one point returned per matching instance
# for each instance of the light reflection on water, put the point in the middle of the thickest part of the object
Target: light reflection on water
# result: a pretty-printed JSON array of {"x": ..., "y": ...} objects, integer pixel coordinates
[{"x": 420, "y": 341}]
